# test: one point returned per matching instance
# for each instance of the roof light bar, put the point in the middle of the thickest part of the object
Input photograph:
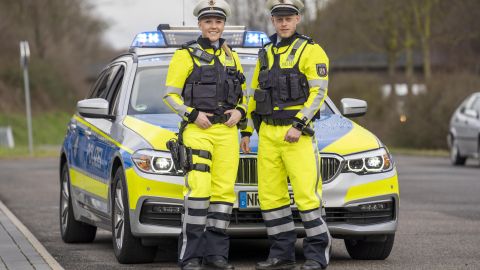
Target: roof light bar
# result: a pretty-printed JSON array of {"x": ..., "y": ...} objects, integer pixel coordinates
[{"x": 175, "y": 36}]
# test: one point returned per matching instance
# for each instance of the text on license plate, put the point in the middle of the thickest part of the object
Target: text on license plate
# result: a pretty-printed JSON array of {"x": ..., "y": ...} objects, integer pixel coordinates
[{"x": 249, "y": 199}]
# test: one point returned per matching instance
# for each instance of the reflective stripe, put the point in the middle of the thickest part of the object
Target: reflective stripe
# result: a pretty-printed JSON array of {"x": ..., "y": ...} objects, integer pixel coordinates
[
  {"x": 316, "y": 230},
  {"x": 221, "y": 224},
  {"x": 309, "y": 112},
  {"x": 285, "y": 212},
  {"x": 310, "y": 215},
  {"x": 174, "y": 90},
  {"x": 195, "y": 220},
  {"x": 220, "y": 208},
  {"x": 180, "y": 109},
  {"x": 194, "y": 204},
  {"x": 297, "y": 46},
  {"x": 323, "y": 84},
  {"x": 281, "y": 228}
]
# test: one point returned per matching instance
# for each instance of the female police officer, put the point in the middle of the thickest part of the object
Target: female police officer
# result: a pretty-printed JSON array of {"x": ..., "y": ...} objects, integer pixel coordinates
[{"x": 205, "y": 85}]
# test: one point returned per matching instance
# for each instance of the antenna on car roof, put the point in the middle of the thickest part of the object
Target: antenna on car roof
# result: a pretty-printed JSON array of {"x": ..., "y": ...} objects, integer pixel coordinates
[{"x": 183, "y": 13}]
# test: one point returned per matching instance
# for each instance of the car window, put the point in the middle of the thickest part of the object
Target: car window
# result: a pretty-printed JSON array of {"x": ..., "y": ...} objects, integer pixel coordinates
[
  {"x": 476, "y": 104},
  {"x": 113, "y": 93},
  {"x": 149, "y": 88},
  {"x": 97, "y": 84}
]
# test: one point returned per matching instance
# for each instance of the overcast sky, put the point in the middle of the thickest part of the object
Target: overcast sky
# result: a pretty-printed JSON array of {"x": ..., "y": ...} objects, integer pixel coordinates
[{"x": 129, "y": 17}]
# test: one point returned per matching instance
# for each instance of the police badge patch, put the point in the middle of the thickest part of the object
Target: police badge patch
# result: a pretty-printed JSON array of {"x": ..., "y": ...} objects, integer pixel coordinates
[{"x": 322, "y": 70}]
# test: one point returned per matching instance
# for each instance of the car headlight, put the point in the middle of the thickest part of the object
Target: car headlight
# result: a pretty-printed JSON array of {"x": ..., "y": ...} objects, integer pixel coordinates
[
  {"x": 375, "y": 161},
  {"x": 156, "y": 162}
]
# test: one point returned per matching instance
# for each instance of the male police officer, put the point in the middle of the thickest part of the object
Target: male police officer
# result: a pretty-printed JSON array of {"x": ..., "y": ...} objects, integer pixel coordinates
[
  {"x": 290, "y": 83},
  {"x": 205, "y": 85}
]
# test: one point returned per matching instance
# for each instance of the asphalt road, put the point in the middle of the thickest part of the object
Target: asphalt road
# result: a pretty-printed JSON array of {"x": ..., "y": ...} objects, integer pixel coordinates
[{"x": 439, "y": 220}]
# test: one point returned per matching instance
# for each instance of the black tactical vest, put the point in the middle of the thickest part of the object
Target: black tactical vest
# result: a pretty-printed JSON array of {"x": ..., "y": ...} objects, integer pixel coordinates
[
  {"x": 211, "y": 88},
  {"x": 280, "y": 87}
]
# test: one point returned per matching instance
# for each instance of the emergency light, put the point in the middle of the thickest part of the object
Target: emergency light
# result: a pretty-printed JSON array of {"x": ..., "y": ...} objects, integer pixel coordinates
[{"x": 175, "y": 36}]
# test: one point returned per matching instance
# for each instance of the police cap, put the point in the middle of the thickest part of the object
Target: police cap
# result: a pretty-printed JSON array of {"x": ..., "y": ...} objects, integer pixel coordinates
[
  {"x": 217, "y": 8},
  {"x": 284, "y": 7}
]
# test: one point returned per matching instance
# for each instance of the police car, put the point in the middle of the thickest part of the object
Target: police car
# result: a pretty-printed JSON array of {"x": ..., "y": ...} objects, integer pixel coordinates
[{"x": 117, "y": 174}]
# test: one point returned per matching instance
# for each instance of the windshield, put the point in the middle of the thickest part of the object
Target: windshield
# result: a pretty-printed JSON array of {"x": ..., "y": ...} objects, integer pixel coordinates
[{"x": 149, "y": 87}]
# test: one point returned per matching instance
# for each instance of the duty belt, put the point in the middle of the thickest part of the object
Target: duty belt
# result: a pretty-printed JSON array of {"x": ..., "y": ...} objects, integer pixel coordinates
[
  {"x": 276, "y": 122},
  {"x": 218, "y": 119}
]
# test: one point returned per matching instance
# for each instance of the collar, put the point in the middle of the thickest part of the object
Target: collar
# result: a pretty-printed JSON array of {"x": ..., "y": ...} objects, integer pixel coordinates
[
  {"x": 284, "y": 41},
  {"x": 206, "y": 44}
]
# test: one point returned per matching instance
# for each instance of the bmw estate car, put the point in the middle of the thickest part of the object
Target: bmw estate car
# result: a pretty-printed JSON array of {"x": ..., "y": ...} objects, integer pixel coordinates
[
  {"x": 116, "y": 173},
  {"x": 464, "y": 132}
]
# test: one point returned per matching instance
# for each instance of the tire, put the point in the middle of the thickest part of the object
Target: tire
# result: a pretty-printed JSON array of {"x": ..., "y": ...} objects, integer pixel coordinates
[
  {"x": 455, "y": 157},
  {"x": 370, "y": 250},
  {"x": 127, "y": 248},
  {"x": 72, "y": 231}
]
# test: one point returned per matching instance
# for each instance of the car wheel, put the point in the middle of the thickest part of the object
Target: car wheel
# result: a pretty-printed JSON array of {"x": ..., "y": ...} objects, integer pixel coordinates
[
  {"x": 455, "y": 156},
  {"x": 370, "y": 249},
  {"x": 72, "y": 231},
  {"x": 127, "y": 248}
]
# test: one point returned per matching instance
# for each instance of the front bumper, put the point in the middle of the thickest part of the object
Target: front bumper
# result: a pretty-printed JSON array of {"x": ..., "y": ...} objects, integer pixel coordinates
[{"x": 344, "y": 199}]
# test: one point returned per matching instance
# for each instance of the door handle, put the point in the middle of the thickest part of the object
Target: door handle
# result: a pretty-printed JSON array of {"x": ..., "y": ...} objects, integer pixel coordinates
[
  {"x": 88, "y": 132},
  {"x": 73, "y": 126}
]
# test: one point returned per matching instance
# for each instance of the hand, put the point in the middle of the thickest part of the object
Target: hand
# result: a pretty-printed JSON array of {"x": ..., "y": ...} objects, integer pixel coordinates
[
  {"x": 202, "y": 120},
  {"x": 235, "y": 116},
  {"x": 292, "y": 135},
  {"x": 245, "y": 144}
]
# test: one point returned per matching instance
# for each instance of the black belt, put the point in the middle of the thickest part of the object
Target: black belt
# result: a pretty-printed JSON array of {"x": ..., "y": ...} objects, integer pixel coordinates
[
  {"x": 218, "y": 119},
  {"x": 276, "y": 122}
]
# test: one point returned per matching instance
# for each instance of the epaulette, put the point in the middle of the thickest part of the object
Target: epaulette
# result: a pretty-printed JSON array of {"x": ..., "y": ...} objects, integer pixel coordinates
[
  {"x": 307, "y": 38},
  {"x": 188, "y": 44},
  {"x": 266, "y": 44}
]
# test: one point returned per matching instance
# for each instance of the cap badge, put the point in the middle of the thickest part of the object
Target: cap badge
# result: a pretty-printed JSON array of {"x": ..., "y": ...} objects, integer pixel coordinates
[{"x": 211, "y": 3}]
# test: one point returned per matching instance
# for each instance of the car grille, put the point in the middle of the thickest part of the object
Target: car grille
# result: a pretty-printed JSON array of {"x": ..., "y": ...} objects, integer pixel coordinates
[
  {"x": 247, "y": 170},
  {"x": 349, "y": 215}
]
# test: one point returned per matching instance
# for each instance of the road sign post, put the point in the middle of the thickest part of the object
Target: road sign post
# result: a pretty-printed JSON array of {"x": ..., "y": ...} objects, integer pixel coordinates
[{"x": 24, "y": 58}]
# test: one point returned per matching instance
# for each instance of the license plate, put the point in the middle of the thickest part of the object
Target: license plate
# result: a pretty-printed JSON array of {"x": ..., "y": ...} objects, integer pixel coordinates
[{"x": 249, "y": 200}]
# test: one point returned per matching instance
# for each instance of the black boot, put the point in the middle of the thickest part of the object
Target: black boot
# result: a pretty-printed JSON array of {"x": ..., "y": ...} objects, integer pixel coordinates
[
  {"x": 217, "y": 263},
  {"x": 275, "y": 264},
  {"x": 193, "y": 264},
  {"x": 312, "y": 265}
]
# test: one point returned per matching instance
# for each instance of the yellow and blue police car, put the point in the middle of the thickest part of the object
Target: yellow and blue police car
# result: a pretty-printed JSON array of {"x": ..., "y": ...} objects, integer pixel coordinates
[{"x": 117, "y": 174}]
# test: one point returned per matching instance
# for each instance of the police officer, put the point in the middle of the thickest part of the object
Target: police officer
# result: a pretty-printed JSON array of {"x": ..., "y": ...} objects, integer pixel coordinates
[
  {"x": 290, "y": 84},
  {"x": 205, "y": 86}
]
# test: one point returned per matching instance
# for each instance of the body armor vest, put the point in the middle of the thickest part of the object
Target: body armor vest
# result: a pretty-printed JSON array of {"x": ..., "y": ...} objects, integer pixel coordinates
[
  {"x": 280, "y": 87},
  {"x": 212, "y": 88}
]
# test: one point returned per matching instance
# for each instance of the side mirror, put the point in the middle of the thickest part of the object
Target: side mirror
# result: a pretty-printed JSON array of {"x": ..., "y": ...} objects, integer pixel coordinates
[
  {"x": 352, "y": 107},
  {"x": 94, "y": 108},
  {"x": 471, "y": 113}
]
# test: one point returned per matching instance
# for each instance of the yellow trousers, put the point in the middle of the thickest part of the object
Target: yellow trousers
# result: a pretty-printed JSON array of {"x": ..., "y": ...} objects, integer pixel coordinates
[
  {"x": 277, "y": 160},
  {"x": 222, "y": 142}
]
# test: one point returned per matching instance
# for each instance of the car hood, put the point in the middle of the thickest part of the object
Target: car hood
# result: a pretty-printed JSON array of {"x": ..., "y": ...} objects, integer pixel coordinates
[{"x": 334, "y": 133}]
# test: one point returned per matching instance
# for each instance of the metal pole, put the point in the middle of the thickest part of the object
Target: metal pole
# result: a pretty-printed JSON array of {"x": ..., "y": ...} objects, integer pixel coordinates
[
  {"x": 25, "y": 54},
  {"x": 183, "y": 12}
]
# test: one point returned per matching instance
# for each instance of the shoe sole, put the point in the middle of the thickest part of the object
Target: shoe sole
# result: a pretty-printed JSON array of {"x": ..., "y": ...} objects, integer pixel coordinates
[{"x": 282, "y": 267}]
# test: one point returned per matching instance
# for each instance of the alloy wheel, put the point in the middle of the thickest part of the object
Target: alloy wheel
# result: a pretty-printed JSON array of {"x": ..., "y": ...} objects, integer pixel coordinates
[{"x": 119, "y": 216}]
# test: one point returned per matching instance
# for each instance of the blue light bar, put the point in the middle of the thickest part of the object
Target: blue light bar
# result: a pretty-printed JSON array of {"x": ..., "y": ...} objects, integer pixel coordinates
[
  {"x": 255, "y": 39},
  {"x": 154, "y": 39}
]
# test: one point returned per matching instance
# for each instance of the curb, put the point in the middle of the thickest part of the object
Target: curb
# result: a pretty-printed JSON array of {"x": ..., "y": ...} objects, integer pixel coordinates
[{"x": 31, "y": 238}]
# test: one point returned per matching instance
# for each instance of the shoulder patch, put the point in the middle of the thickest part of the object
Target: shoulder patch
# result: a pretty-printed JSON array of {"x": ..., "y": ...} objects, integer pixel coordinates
[{"x": 322, "y": 70}]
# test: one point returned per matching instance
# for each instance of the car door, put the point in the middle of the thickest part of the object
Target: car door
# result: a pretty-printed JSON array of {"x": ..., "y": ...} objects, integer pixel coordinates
[
  {"x": 473, "y": 126},
  {"x": 102, "y": 146}
]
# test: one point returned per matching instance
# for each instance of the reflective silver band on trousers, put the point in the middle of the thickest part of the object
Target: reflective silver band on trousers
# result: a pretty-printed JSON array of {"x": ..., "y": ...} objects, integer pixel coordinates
[
  {"x": 281, "y": 228},
  {"x": 311, "y": 215},
  {"x": 197, "y": 220},
  {"x": 316, "y": 230},
  {"x": 204, "y": 204},
  {"x": 217, "y": 223},
  {"x": 285, "y": 212},
  {"x": 220, "y": 208}
]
